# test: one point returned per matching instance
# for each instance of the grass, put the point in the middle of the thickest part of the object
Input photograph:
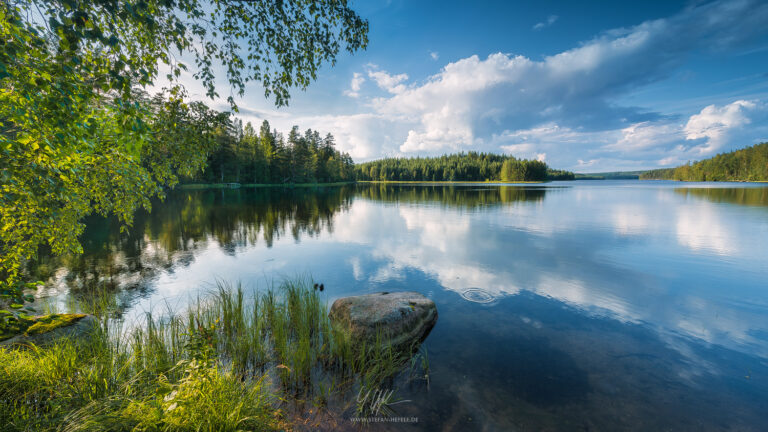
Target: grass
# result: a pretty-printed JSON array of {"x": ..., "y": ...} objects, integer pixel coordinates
[{"x": 230, "y": 362}]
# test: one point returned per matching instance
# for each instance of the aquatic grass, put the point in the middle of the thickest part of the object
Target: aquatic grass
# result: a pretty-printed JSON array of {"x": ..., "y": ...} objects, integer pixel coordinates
[
  {"x": 226, "y": 363},
  {"x": 420, "y": 365},
  {"x": 372, "y": 402}
]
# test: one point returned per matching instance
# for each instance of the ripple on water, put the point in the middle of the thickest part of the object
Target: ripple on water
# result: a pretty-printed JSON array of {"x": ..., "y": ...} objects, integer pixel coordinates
[{"x": 478, "y": 295}]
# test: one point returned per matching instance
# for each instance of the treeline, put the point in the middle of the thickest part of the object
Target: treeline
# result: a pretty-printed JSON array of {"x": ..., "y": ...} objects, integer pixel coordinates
[
  {"x": 748, "y": 164},
  {"x": 612, "y": 175},
  {"x": 269, "y": 157},
  {"x": 658, "y": 174},
  {"x": 470, "y": 166},
  {"x": 553, "y": 174}
]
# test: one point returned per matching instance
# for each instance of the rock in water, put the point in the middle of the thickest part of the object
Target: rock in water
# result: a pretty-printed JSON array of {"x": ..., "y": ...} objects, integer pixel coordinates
[{"x": 403, "y": 317}]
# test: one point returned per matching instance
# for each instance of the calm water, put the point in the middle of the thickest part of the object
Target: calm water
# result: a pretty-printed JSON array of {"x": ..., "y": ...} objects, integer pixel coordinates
[{"x": 598, "y": 305}]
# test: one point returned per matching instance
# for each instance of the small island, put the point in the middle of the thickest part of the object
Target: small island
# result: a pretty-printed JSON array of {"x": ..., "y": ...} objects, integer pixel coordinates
[{"x": 460, "y": 167}]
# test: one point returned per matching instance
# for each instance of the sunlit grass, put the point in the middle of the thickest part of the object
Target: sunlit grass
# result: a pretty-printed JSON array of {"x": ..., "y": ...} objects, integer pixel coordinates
[{"x": 231, "y": 361}]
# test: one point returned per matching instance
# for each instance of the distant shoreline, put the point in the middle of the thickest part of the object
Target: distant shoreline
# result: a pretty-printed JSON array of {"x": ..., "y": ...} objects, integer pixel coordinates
[{"x": 200, "y": 186}]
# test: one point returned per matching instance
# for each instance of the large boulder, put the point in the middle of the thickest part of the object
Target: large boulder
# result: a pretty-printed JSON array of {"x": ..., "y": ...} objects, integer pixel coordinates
[
  {"x": 50, "y": 328},
  {"x": 404, "y": 318}
]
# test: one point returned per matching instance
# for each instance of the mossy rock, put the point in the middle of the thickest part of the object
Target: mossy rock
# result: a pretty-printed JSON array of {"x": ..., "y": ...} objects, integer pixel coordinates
[
  {"x": 41, "y": 330},
  {"x": 404, "y": 319}
]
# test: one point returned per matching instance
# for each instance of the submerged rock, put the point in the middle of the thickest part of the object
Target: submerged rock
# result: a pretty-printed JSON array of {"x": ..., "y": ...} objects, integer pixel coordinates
[
  {"x": 402, "y": 317},
  {"x": 48, "y": 328}
]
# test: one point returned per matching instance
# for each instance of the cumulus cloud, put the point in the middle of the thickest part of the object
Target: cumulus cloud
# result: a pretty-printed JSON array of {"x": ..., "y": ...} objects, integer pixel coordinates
[
  {"x": 564, "y": 143},
  {"x": 544, "y": 24},
  {"x": 364, "y": 136},
  {"x": 714, "y": 123},
  {"x": 385, "y": 81},
  {"x": 470, "y": 101},
  {"x": 434, "y": 55},
  {"x": 565, "y": 106},
  {"x": 647, "y": 135},
  {"x": 354, "y": 86},
  {"x": 704, "y": 133}
]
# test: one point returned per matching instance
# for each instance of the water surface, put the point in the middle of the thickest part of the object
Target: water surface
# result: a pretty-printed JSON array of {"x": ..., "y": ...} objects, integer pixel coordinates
[{"x": 586, "y": 305}]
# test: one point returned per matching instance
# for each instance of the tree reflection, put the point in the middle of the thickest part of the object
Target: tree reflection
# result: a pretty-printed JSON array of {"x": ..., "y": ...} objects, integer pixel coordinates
[
  {"x": 186, "y": 222},
  {"x": 750, "y": 196},
  {"x": 468, "y": 196}
]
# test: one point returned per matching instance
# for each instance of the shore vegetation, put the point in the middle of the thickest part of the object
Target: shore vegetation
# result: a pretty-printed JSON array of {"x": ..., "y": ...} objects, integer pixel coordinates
[
  {"x": 232, "y": 361},
  {"x": 749, "y": 164},
  {"x": 80, "y": 135},
  {"x": 471, "y": 166}
]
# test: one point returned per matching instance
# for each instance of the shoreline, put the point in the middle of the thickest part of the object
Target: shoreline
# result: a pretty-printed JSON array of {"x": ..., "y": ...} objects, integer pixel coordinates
[{"x": 199, "y": 186}]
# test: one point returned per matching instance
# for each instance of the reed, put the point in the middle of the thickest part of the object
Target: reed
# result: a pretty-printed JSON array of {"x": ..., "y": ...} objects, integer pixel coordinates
[{"x": 225, "y": 364}]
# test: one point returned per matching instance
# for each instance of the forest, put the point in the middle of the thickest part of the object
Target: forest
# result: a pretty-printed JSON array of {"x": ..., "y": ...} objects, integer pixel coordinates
[
  {"x": 269, "y": 157},
  {"x": 80, "y": 134},
  {"x": 471, "y": 166},
  {"x": 747, "y": 164}
]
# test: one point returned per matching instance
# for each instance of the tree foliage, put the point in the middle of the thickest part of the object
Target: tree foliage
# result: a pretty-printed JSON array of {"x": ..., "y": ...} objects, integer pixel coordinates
[
  {"x": 268, "y": 158},
  {"x": 658, "y": 174},
  {"x": 523, "y": 170},
  {"x": 747, "y": 164},
  {"x": 470, "y": 166},
  {"x": 77, "y": 133}
]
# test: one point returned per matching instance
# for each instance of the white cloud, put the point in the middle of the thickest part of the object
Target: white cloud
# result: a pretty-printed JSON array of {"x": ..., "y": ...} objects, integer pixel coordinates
[
  {"x": 550, "y": 20},
  {"x": 385, "y": 81},
  {"x": 518, "y": 149},
  {"x": 469, "y": 101},
  {"x": 434, "y": 55},
  {"x": 564, "y": 105},
  {"x": 364, "y": 136},
  {"x": 354, "y": 86},
  {"x": 645, "y": 135},
  {"x": 446, "y": 137},
  {"x": 714, "y": 123},
  {"x": 713, "y": 127}
]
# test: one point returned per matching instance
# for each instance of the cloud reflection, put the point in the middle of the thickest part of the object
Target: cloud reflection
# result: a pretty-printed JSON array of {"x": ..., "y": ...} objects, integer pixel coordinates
[{"x": 641, "y": 255}]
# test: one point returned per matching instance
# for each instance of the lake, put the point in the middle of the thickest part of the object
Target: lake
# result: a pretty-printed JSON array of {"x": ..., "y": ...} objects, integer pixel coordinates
[{"x": 583, "y": 305}]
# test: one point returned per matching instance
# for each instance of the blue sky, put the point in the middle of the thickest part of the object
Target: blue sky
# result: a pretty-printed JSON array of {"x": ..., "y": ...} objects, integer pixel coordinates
[{"x": 586, "y": 87}]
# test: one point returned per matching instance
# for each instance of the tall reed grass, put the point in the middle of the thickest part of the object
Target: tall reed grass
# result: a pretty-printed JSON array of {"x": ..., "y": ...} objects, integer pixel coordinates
[{"x": 231, "y": 362}]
